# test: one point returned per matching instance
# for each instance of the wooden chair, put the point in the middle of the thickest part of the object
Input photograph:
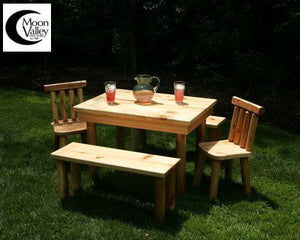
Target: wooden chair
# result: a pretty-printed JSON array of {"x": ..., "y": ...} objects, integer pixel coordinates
[
  {"x": 66, "y": 126},
  {"x": 238, "y": 145},
  {"x": 214, "y": 124}
]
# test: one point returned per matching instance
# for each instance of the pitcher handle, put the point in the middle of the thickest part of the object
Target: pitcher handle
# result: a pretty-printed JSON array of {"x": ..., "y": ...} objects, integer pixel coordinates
[{"x": 157, "y": 85}]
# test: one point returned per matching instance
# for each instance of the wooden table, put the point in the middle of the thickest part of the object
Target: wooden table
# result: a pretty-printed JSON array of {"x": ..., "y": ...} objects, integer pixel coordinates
[{"x": 163, "y": 115}]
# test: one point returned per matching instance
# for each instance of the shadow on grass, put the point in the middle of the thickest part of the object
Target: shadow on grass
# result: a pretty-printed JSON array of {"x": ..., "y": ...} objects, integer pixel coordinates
[
  {"x": 128, "y": 198},
  {"x": 123, "y": 197},
  {"x": 229, "y": 193}
]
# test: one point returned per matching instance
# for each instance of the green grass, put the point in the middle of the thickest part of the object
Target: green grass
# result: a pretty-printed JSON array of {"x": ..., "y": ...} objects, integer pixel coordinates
[{"x": 120, "y": 205}]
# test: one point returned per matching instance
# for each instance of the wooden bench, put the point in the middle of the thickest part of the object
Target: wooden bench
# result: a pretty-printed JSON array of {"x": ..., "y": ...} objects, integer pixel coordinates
[
  {"x": 214, "y": 124},
  {"x": 162, "y": 168}
]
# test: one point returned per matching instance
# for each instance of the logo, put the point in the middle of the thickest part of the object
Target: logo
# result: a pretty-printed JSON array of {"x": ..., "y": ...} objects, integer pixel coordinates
[{"x": 26, "y": 27}]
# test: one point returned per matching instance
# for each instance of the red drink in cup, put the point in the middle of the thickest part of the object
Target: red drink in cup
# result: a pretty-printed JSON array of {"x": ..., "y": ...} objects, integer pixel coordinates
[
  {"x": 179, "y": 87},
  {"x": 110, "y": 89}
]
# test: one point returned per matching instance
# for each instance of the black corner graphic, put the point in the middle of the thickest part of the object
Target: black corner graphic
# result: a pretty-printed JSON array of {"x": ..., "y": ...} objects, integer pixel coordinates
[{"x": 11, "y": 28}]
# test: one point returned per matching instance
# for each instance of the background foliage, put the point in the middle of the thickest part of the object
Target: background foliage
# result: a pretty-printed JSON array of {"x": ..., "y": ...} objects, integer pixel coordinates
[{"x": 250, "y": 46}]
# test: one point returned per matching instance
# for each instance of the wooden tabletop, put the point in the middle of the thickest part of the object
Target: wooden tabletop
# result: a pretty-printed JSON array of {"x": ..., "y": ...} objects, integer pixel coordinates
[{"x": 163, "y": 114}]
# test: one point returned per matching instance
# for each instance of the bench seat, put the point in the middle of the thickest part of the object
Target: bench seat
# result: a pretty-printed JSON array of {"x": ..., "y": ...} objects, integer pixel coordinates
[
  {"x": 214, "y": 121},
  {"x": 160, "y": 167},
  {"x": 214, "y": 124}
]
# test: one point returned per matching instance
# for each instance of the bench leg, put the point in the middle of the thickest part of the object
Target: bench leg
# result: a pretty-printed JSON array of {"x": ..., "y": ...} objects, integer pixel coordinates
[
  {"x": 159, "y": 199},
  {"x": 245, "y": 176},
  {"x": 63, "y": 189},
  {"x": 214, "y": 134},
  {"x": 214, "y": 182},
  {"x": 76, "y": 176},
  {"x": 180, "y": 172},
  {"x": 171, "y": 188},
  {"x": 92, "y": 139},
  {"x": 120, "y": 137}
]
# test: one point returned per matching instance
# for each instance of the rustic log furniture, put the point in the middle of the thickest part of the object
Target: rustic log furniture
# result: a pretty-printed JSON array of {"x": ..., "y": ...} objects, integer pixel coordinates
[
  {"x": 162, "y": 114},
  {"x": 214, "y": 124},
  {"x": 238, "y": 145},
  {"x": 162, "y": 168},
  {"x": 66, "y": 126}
]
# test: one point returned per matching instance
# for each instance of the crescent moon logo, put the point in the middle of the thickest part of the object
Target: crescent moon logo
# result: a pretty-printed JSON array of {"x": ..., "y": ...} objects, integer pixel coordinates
[{"x": 11, "y": 27}]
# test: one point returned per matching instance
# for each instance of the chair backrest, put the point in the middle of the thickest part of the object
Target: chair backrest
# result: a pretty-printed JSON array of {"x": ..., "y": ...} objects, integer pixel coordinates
[
  {"x": 61, "y": 88},
  {"x": 244, "y": 122}
]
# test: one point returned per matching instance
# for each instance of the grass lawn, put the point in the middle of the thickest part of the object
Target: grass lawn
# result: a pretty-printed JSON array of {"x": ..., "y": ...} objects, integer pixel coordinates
[{"x": 120, "y": 205}]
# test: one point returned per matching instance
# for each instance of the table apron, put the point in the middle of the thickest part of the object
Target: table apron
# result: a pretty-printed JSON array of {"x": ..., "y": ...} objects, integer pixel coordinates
[
  {"x": 200, "y": 120},
  {"x": 162, "y": 125},
  {"x": 146, "y": 124}
]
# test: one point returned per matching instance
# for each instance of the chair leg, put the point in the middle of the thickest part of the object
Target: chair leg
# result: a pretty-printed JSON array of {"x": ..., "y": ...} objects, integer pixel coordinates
[
  {"x": 228, "y": 170},
  {"x": 84, "y": 137},
  {"x": 62, "y": 141},
  {"x": 56, "y": 142},
  {"x": 214, "y": 182},
  {"x": 199, "y": 168},
  {"x": 245, "y": 176}
]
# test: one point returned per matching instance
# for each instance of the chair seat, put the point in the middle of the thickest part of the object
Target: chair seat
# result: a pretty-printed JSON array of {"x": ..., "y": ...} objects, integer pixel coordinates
[
  {"x": 70, "y": 127},
  {"x": 214, "y": 121},
  {"x": 223, "y": 150}
]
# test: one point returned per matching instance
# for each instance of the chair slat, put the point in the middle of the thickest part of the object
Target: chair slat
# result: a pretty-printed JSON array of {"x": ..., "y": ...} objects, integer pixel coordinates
[
  {"x": 251, "y": 133},
  {"x": 54, "y": 107},
  {"x": 63, "y": 105},
  {"x": 251, "y": 107},
  {"x": 233, "y": 123},
  {"x": 72, "y": 103},
  {"x": 239, "y": 126},
  {"x": 64, "y": 86},
  {"x": 80, "y": 95},
  {"x": 245, "y": 130}
]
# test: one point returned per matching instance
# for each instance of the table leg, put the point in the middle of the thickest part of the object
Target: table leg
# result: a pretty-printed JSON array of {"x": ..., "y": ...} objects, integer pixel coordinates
[
  {"x": 92, "y": 139},
  {"x": 135, "y": 139},
  {"x": 143, "y": 135},
  {"x": 120, "y": 137},
  {"x": 138, "y": 138},
  {"x": 181, "y": 153}
]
